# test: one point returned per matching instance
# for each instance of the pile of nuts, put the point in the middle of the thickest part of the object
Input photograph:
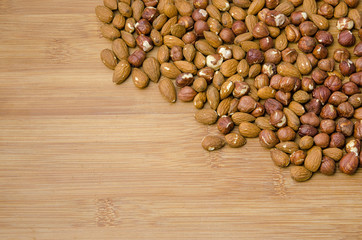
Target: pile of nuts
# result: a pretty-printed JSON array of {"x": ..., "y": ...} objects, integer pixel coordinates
[{"x": 261, "y": 65}]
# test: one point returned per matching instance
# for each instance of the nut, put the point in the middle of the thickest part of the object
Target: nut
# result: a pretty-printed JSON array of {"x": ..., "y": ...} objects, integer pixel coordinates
[
  {"x": 189, "y": 38},
  {"x": 358, "y": 129},
  {"x": 200, "y": 26},
  {"x": 308, "y": 28},
  {"x": 246, "y": 104},
  {"x": 314, "y": 159},
  {"x": 358, "y": 69},
  {"x": 345, "y": 23},
  {"x": 319, "y": 75},
  {"x": 176, "y": 53},
  {"x": 327, "y": 126},
  {"x": 143, "y": 27},
  {"x": 344, "y": 126},
  {"x": 349, "y": 163},
  {"x": 200, "y": 14},
  {"x": 355, "y": 100},
  {"x": 184, "y": 79},
  {"x": 279, "y": 158},
  {"x": 333, "y": 83},
  {"x": 324, "y": 37},
  {"x": 286, "y": 134},
  {"x": 341, "y": 54},
  {"x": 292, "y": 33},
  {"x": 275, "y": 81},
  {"x": 300, "y": 173},
  {"x": 353, "y": 146},
  {"x": 289, "y": 55},
  {"x": 225, "y": 124},
  {"x": 322, "y": 93},
  {"x": 211, "y": 143},
  {"x": 261, "y": 80},
  {"x": 268, "y": 138},
  {"x": 201, "y": 3},
  {"x": 337, "y": 98},
  {"x": 314, "y": 105},
  {"x": 320, "y": 51},
  {"x": 326, "y": 64},
  {"x": 259, "y": 110},
  {"x": 326, "y": 10},
  {"x": 239, "y": 27},
  {"x": 287, "y": 84},
  {"x": 278, "y": 119},
  {"x": 297, "y": 157},
  {"x": 271, "y": 4},
  {"x": 214, "y": 61},
  {"x": 235, "y": 140},
  {"x": 240, "y": 89},
  {"x": 347, "y": 67},
  {"x": 150, "y": 14},
  {"x": 346, "y": 38},
  {"x": 271, "y": 105},
  {"x": 283, "y": 97},
  {"x": 310, "y": 119},
  {"x": 207, "y": 73},
  {"x": 273, "y": 56},
  {"x": 358, "y": 50},
  {"x": 312, "y": 59},
  {"x": 306, "y": 142},
  {"x": 260, "y": 30},
  {"x": 306, "y": 44},
  {"x": 352, "y": 3},
  {"x": 328, "y": 166},
  {"x": 328, "y": 112},
  {"x": 307, "y": 130},
  {"x": 298, "y": 17},
  {"x": 275, "y": 18},
  {"x": 137, "y": 57},
  {"x": 186, "y": 94},
  {"x": 269, "y": 69},
  {"x": 350, "y": 88},
  {"x": 254, "y": 56},
  {"x": 321, "y": 140},
  {"x": 345, "y": 110},
  {"x": 338, "y": 140},
  {"x": 307, "y": 84}
]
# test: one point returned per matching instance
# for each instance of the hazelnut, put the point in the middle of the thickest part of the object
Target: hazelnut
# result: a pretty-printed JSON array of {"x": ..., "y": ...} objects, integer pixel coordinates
[
  {"x": 260, "y": 30},
  {"x": 199, "y": 84},
  {"x": 358, "y": 50},
  {"x": 297, "y": 157},
  {"x": 358, "y": 129},
  {"x": 310, "y": 118},
  {"x": 345, "y": 23},
  {"x": 143, "y": 27},
  {"x": 286, "y": 134},
  {"x": 350, "y": 88},
  {"x": 353, "y": 146},
  {"x": 225, "y": 52},
  {"x": 273, "y": 56},
  {"x": 261, "y": 80},
  {"x": 307, "y": 130},
  {"x": 268, "y": 138},
  {"x": 269, "y": 69},
  {"x": 308, "y": 84},
  {"x": 225, "y": 124},
  {"x": 240, "y": 89},
  {"x": 326, "y": 64},
  {"x": 150, "y": 14},
  {"x": 321, "y": 140},
  {"x": 254, "y": 56},
  {"x": 150, "y": 3},
  {"x": 328, "y": 112},
  {"x": 227, "y": 35},
  {"x": 308, "y": 28},
  {"x": 247, "y": 104},
  {"x": 207, "y": 73},
  {"x": 338, "y": 140},
  {"x": 137, "y": 57},
  {"x": 275, "y": 81},
  {"x": 292, "y": 33},
  {"x": 201, "y": 3},
  {"x": 337, "y": 98},
  {"x": 358, "y": 65},
  {"x": 341, "y": 54},
  {"x": 306, "y": 142},
  {"x": 344, "y": 126},
  {"x": 320, "y": 51},
  {"x": 349, "y": 163},
  {"x": 345, "y": 110},
  {"x": 312, "y": 59},
  {"x": 332, "y": 2},
  {"x": 275, "y": 18},
  {"x": 327, "y": 126},
  {"x": 296, "y": 3},
  {"x": 187, "y": 22},
  {"x": 287, "y": 84},
  {"x": 144, "y": 42},
  {"x": 333, "y": 83},
  {"x": 324, "y": 37},
  {"x": 278, "y": 119},
  {"x": 271, "y": 4},
  {"x": 298, "y": 17},
  {"x": 186, "y": 94},
  {"x": 314, "y": 105},
  {"x": 355, "y": 100},
  {"x": 352, "y": 3},
  {"x": 259, "y": 110},
  {"x": 200, "y": 27},
  {"x": 347, "y": 67},
  {"x": 283, "y": 97},
  {"x": 356, "y": 78},
  {"x": 346, "y": 38},
  {"x": 189, "y": 38},
  {"x": 184, "y": 79},
  {"x": 239, "y": 27},
  {"x": 326, "y": 10},
  {"x": 214, "y": 61},
  {"x": 233, "y": 106},
  {"x": 289, "y": 55},
  {"x": 176, "y": 53},
  {"x": 322, "y": 93},
  {"x": 262, "y": 14},
  {"x": 328, "y": 166},
  {"x": 271, "y": 105},
  {"x": 266, "y": 43},
  {"x": 358, "y": 113},
  {"x": 200, "y": 14},
  {"x": 306, "y": 44}
]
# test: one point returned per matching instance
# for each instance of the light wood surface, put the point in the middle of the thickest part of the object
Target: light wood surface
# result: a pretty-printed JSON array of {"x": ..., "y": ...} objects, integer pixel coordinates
[{"x": 82, "y": 158}]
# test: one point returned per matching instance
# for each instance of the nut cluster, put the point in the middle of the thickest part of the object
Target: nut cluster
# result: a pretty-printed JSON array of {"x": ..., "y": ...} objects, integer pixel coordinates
[{"x": 254, "y": 68}]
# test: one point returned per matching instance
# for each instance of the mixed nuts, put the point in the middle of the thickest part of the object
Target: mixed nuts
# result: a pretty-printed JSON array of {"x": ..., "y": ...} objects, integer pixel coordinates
[{"x": 263, "y": 67}]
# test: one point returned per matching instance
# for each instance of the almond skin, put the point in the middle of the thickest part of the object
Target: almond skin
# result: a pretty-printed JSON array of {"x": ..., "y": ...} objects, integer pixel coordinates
[
  {"x": 249, "y": 130},
  {"x": 235, "y": 140},
  {"x": 300, "y": 173},
  {"x": 211, "y": 143},
  {"x": 152, "y": 68},
  {"x": 120, "y": 48},
  {"x": 334, "y": 153},
  {"x": 167, "y": 89},
  {"x": 140, "y": 79},
  {"x": 206, "y": 116},
  {"x": 279, "y": 158},
  {"x": 121, "y": 72},
  {"x": 104, "y": 14},
  {"x": 108, "y": 58},
  {"x": 314, "y": 159}
]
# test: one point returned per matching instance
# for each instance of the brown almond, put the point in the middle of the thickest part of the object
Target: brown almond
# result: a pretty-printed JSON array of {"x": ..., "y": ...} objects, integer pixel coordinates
[
  {"x": 279, "y": 158},
  {"x": 167, "y": 89},
  {"x": 249, "y": 130},
  {"x": 152, "y": 68},
  {"x": 287, "y": 147},
  {"x": 297, "y": 108},
  {"x": 206, "y": 116},
  {"x": 121, "y": 72},
  {"x": 256, "y": 6},
  {"x": 199, "y": 100},
  {"x": 239, "y": 117},
  {"x": 108, "y": 58},
  {"x": 166, "y": 29},
  {"x": 224, "y": 106},
  {"x": 110, "y": 32},
  {"x": 111, "y": 4},
  {"x": 222, "y": 5},
  {"x": 355, "y": 15},
  {"x": 169, "y": 70},
  {"x": 266, "y": 92},
  {"x": 314, "y": 159},
  {"x": 334, "y": 153},
  {"x": 213, "y": 97},
  {"x": 211, "y": 143},
  {"x": 137, "y": 9},
  {"x": 264, "y": 123},
  {"x": 303, "y": 64},
  {"x": 186, "y": 67},
  {"x": 171, "y": 41},
  {"x": 104, "y": 14},
  {"x": 285, "y": 7},
  {"x": 184, "y": 8},
  {"x": 128, "y": 39},
  {"x": 212, "y": 38},
  {"x": 120, "y": 48},
  {"x": 228, "y": 68},
  {"x": 310, "y": 7},
  {"x": 163, "y": 54},
  {"x": 213, "y": 12},
  {"x": 289, "y": 70},
  {"x": 204, "y": 47},
  {"x": 300, "y": 173},
  {"x": 281, "y": 42},
  {"x": 189, "y": 52},
  {"x": 250, "y": 22},
  {"x": 320, "y": 21},
  {"x": 235, "y": 140},
  {"x": 140, "y": 79},
  {"x": 292, "y": 119}
]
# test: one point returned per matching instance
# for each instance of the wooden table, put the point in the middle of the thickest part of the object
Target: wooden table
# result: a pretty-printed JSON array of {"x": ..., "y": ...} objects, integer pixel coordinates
[{"x": 82, "y": 158}]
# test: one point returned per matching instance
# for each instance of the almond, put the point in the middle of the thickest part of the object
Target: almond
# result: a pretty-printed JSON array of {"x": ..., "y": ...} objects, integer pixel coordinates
[
  {"x": 314, "y": 159},
  {"x": 237, "y": 13},
  {"x": 211, "y": 143},
  {"x": 159, "y": 22},
  {"x": 128, "y": 39},
  {"x": 250, "y": 22},
  {"x": 167, "y": 89},
  {"x": 213, "y": 12},
  {"x": 206, "y": 116},
  {"x": 178, "y": 30},
  {"x": 108, "y": 58},
  {"x": 341, "y": 10},
  {"x": 228, "y": 68},
  {"x": 121, "y": 72},
  {"x": 118, "y": 21},
  {"x": 287, "y": 147},
  {"x": 266, "y": 92},
  {"x": 247, "y": 45},
  {"x": 224, "y": 106},
  {"x": 226, "y": 89},
  {"x": 292, "y": 119},
  {"x": 125, "y": 9},
  {"x": 300, "y": 173},
  {"x": 104, "y": 14},
  {"x": 213, "y": 97},
  {"x": 249, "y": 130},
  {"x": 120, "y": 48},
  {"x": 152, "y": 68},
  {"x": 281, "y": 42},
  {"x": 184, "y": 8},
  {"x": 306, "y": 142},
  {"x": 186, "y": 67},
  {"x": 243, "y": 37},
  {"x": 163, "y": 54},
  {"x": 264, "y": 123},
  {"x": 189, "y": 52},
  {"x": 235, "y": 140},
  {"x": 256, "y": 6},
  {"x": 111, "y": 4},
  {"x": 166, "y": 29},
  {"x": 355, "y": 15},
  {"x": 239, "y": 117},
  {"x": 320, "y": 21},
  {"x": 297, "y": 108},
  {"x": 110, "y": 32},
  {"x": 254, "y": 71},
  {"x": 140, "y": 79},
  {"x": 301, "y": 96},
  {"x": 279, "y": 158},
  {"x": 310, "y": 7},
  {"x": 169, "y": 70},
  {"x": 204, "y": 47},
  {"x": 137, "y": 8},
  {"x": 303, "y": 63},
  {"x": 222, "y": 5},
  {"x": 171, "y": 41},
  {"x": 199, "y": 100},
  {"x": 212, "y": 38},
  {"x": 285, "y": 8},
  {"x": 199, "y": 60},
  {"x": 243, "y": 68},
  {"x": 334, "y": 153},
  {"x": 289, "y": 70}
]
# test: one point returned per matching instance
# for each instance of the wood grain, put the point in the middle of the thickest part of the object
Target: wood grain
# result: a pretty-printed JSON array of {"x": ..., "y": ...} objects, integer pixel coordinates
[{"x": 82, "y": 158}]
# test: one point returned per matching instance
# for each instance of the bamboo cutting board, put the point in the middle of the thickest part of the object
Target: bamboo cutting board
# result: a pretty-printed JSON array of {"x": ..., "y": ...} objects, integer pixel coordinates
[{"x": 81, "y": 158}]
